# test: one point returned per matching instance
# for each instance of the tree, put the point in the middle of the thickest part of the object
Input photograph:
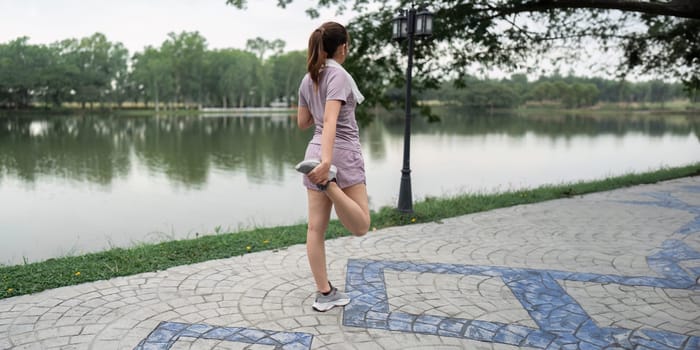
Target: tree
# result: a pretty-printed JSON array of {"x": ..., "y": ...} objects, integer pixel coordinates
[
  {"x": 153, "y": 76},
  {"x": 22, "y": 71},
  {"x": 655, "y": 37},
  {"x": 63, "y": 74},
  {"x": 589, "y": 95},
  {"x": 250, "y": 80},
  {"x": 286, "y": 71},
  {"x": 542, "y": 91},
  {"x": 260, "y": 47},
  {"x": 118, "y": 57},
  {"x": 216, "y": 81},
  {"x": 96, "y": 62},
  {"x": 243, "y": 78},
  {"x": 100, "y": 66},
  {"x": 231, "y": 76},
  {"x": 186, "y": 52},
  {"x": 659, "y": 91}
]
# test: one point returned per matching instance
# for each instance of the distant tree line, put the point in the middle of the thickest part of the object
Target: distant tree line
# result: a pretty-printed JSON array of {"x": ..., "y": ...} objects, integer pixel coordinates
[
  {"x": 182, "y": 72},
  {"x": 565, "y": 91}
]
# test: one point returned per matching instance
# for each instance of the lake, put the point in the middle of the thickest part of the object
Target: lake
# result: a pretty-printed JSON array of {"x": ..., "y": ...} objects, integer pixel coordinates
[{"x": 76, "y": 184}]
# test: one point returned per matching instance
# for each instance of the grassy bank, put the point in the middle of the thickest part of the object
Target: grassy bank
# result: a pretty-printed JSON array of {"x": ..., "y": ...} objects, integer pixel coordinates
[
  {"x": 35, "y": 277},
  {"x": 678, "y": 107},
  {"x": 140, "y": 112}
]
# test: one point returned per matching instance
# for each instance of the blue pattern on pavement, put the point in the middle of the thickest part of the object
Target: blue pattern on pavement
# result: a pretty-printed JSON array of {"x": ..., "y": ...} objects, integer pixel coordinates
[
  {"x": 562, "y": 322},
  {"x": 168, "y": 333},
  {"x": 667, "y": 200}
]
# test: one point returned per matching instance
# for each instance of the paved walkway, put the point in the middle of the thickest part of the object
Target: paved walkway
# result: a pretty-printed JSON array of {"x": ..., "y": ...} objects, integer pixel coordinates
[{"x": 613, "y": 270}]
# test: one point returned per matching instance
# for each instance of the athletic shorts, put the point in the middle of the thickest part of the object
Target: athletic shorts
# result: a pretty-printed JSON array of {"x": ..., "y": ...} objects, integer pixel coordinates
[{"x": 350, "y": 165}]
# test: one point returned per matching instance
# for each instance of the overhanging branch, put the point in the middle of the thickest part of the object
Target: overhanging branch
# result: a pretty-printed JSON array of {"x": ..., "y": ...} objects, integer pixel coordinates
[{"x": 674, "y": 8}]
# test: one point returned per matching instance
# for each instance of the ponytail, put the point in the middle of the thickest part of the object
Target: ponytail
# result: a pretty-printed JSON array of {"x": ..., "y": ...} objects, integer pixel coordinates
[
  {"x": 323, "y": 43},
  {"x": 316, "y": 55}
]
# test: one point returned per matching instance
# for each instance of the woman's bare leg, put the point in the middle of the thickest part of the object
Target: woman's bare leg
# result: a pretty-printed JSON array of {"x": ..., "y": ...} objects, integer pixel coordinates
[
  {"x": 319, "y": 216},
  {"x": 351, "y": 206}
]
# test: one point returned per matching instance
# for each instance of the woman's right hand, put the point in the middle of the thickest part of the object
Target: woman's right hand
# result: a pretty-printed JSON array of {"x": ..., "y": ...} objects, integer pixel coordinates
[{"x": 319, "y": 175}]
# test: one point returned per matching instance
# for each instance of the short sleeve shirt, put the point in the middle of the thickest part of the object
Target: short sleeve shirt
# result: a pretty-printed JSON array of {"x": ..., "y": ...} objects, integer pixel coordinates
[{"x": 333, "y": 84}]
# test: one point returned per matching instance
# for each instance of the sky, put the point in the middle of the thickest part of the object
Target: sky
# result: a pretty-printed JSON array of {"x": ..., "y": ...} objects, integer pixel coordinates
[{"x": 138, "y": 23}]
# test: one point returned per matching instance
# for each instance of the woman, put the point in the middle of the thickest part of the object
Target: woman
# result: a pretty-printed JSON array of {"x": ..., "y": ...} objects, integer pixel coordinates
[{"x": 334, "y": 167}]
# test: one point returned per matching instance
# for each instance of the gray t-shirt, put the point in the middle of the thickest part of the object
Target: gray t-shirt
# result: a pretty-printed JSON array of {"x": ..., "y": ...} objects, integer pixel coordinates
[{"x": 333, "y": 84}]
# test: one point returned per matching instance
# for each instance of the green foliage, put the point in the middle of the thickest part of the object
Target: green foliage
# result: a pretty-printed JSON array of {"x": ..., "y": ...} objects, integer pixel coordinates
[
  {"x": 481, "y": 33},
  {"x": 659, "y": 38},
  {"x": 261, "y": 46},
  {"x": 152, "y": 76},
  {"x": 184, "y": 72},
  {"x": 24, "y": 72},
  {"x": 568, "y": 92},
  {"x": 91, "y": 69},
  {"x": 670, "y": 46},
  {"x": 181, "y": 72},
  {"x": 98, "y": 62},
  {"x": 287, "y": 70},
  {"x": 185, "y": 52}
]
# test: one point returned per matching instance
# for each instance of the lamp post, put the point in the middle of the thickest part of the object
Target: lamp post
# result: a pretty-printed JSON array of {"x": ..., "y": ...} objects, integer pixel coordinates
[{"x": 406, "y": 25}]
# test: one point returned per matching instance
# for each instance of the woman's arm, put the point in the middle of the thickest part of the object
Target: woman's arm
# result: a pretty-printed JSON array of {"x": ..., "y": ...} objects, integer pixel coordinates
[
  {"x": 330, "y": 118},
  {"x": 304, "y": 118}
]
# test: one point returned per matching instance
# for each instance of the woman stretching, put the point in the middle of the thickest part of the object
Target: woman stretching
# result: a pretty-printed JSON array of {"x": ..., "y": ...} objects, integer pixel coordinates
[{"x": 333, "y": 164}]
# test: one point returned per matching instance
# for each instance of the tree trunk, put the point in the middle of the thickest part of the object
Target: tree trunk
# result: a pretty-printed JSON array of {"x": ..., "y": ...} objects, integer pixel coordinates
[
  {"x": 155, "y": 93},
  {"x": 56, "y": 100}
]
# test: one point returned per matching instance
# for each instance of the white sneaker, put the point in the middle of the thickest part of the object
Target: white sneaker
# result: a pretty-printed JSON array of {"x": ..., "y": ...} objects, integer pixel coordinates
[
  {"x": 307, "y": 165},
  {"x": 335, "y": 298}
]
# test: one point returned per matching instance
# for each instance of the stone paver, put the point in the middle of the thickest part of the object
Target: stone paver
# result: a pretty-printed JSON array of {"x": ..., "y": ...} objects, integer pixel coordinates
[{"x": 612, "y": 270}]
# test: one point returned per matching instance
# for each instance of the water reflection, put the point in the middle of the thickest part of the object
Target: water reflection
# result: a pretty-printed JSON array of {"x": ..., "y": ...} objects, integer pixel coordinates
[
  {"x": 469, "y": 122},
  {"x": 85, "y": 149},
  {"x": 186, "y": 149},
  {"x": 76, "y": 184}
]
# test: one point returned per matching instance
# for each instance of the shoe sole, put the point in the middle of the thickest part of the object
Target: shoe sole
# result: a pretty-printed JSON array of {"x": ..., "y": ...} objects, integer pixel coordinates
[
  {"x": 306, "y": 166},
  {"x": 323, "y": 307}
]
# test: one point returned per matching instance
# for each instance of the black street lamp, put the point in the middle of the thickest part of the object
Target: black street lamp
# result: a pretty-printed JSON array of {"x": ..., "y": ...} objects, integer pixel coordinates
[{"x": 406, "y": 25}]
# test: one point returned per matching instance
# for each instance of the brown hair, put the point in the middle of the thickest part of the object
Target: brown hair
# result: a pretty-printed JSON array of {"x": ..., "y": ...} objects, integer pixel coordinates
[{"x": 322, "y": 44}]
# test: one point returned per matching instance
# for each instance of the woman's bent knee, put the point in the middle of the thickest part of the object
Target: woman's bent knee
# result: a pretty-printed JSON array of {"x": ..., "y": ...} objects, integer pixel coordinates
[
  {"x": 359, "y": 233},
  {"x": 360, "y": 230}
]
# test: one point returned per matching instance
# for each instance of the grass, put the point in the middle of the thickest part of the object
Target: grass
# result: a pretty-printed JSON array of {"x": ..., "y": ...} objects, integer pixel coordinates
[{"x": 35, "y": 277}]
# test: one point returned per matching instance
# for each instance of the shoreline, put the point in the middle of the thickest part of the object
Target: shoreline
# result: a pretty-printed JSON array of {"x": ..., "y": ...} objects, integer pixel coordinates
[
  {"x": 31, "y": 278},
  {"x": 685, "y": 109}
]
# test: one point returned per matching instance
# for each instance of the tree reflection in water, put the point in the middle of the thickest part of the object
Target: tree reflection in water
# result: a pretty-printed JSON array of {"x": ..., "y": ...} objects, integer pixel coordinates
[{"x": 97, "y": 149}]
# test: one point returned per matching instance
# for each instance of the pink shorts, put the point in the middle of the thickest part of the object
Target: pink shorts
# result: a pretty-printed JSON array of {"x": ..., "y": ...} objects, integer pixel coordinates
[{"x": 350, "y": 164}]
